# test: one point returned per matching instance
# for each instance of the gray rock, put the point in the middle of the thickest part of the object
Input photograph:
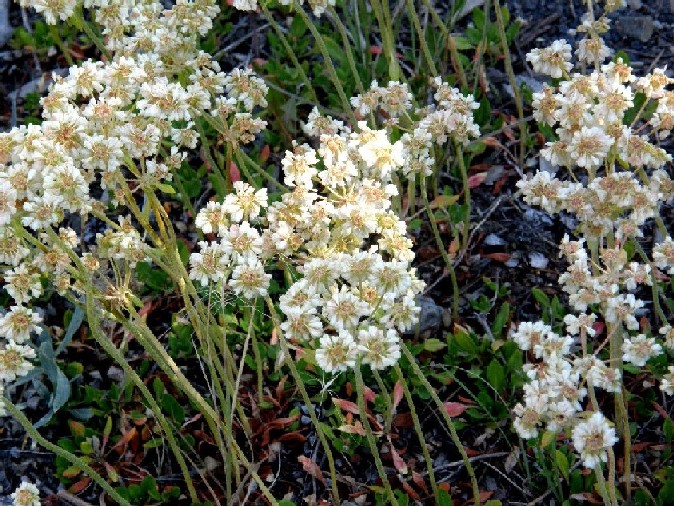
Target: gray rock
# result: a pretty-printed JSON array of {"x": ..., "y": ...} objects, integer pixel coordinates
[
  {"x": 430, "y": 317},
  {"x": 636, "y": 27}
]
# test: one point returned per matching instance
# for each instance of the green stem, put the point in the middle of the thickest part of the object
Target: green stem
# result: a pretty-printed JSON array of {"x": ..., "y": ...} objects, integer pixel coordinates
[
  {"x": 53, "y": 29},
  {"x": 448, "y": 420},
  {"x": 73, "y": 459},
  {"x": 388, "y": 419},
  {"x": 82, "y": 24},
  {"x": 386, "y": 31},
  {"x": 420, "y": 433},
  {"x": 116, "y": 355},
  {"x": 360, "y": 388},
  {"x": 307, "y": 400},
  {"x": 289, "y": 51},
  {"x": 511, "y": 78},
  {"x": 466, "y": 197},
  {"x": 332, "y": 73},
  {"x": 422, "y": 38},
  {"x": 347, "y": 47},
  {"x": 441, "y": 247},
  {"x": 243, "y": 160},
  {"x": 601, "y": 485}
]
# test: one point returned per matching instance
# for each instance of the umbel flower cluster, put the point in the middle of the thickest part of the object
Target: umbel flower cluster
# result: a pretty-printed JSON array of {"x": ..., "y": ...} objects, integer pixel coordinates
[
  {"x": 449, "y": 117},
  {"x": 318, "y": 7},
  {"x": 616, "y": 183},
  {"x": 336, "y": 234},
  {"x": 112, "y": 133}
]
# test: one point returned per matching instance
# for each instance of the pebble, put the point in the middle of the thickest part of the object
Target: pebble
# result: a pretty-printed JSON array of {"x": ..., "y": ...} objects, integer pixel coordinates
[
  {"x": 430, "y": 317},
  {"x": 636, "y": 27}
]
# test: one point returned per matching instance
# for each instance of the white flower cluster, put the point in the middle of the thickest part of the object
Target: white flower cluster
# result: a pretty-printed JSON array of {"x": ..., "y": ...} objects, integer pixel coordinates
[
  {"x": 118, "y": 129},
  {"x": 26, "y": 495},
  {"x": 553, "y": 397},
  {"x": 449, "y": 117},
  {"x": 588, "y": 113},
  {"x": 393, "y": 99},
  {"x": 318, "y": 7},
  {"x": 337, "y": 230}
]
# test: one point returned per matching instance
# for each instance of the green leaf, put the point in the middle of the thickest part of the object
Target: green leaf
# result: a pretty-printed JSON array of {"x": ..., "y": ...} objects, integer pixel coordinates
[
  {"x": 479, "y": 18},
  {"x": 500, "y": 320},
  {"x": 562, "y": 464},
  {"x": 173, "y": 408},
  {"x": 541, "y": 298},
  {"x": 462, "y": 43},
  {"x": 623, "y": 55},
  {"x": 86, "y": 447},
  {"x": 548, "y": 438},
  {"x": 433, "y": 345},
  {"x": 108, "y": 427},
  {"x": 444, "y": 499},
  {"x": 496, "y": 375},
  {"x": 465, "y": 342},
  {"x": 73, "y": 326},
  {"x": 668, "y": 429},
  {"x": 166, "y": 188}
]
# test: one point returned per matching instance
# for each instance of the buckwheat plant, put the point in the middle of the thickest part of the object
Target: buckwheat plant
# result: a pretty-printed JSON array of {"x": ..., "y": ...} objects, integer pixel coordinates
[
  {"x": 112, "y": 134},
  {"x": 616, "y": 183}
]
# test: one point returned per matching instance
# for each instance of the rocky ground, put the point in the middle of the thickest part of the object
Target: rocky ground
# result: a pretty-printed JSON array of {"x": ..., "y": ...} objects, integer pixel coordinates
[{"x": 512, "y": 242}]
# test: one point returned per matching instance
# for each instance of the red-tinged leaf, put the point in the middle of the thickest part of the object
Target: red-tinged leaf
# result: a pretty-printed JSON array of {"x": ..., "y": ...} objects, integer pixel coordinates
[
  {"x": 347, "y": 406},
  {"x": 466, "y": 400},
  {"x": 419, "y": 481},
  {"x": 312, "y": 468},
  {"x": 71, "y": 472},
  {"x": 369, "y": 395},
  {"x": 280, "y": 423},
  {"x": 292, "y": 437},
  {"x": 77, "y": 428},
  {"x": 411, "y": 492},
  {"x": 126, "y": 438},
  {"x": 397, "y": 394},
  {"x": 234, "y": 173},
  {"x": 498, "y": 186},
  {"x": 403, "y": 421},
  {"x": 486, "y": 494},
  {"x": 398, "y": 461},
  {"x": 455, "y": 408},
  {"x": 498, "y": 257},
  {"x": 147, "y": 308},
  {"x": 356, "y": 428},
  {"x": 375, "y": 50},
  {"x": 480, "y": 167},
  {"x": 470, "y": 452},
  {"x": 349, "y": 389},
  {"x": 639, "y": 447},
  {"x": 492, "y": 142},
  {"x": 644, "y": 324},
  {"x": 477, "y": 179},
  {"x": 660, "y": 410},
  {"x": 453, "y": 247},
  {"x": 444, "y": 201},
  {"x": 445, "y": 486},
  {"x": 264, "y": 153},
  {"x": 280, "y": 388},
  {"x": 598, "y": 327},
  {"x": 79, "y": 486}
]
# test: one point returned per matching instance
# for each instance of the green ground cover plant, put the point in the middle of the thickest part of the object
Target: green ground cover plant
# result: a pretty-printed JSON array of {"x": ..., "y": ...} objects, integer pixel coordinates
[{"x": 245, "y": 254}]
